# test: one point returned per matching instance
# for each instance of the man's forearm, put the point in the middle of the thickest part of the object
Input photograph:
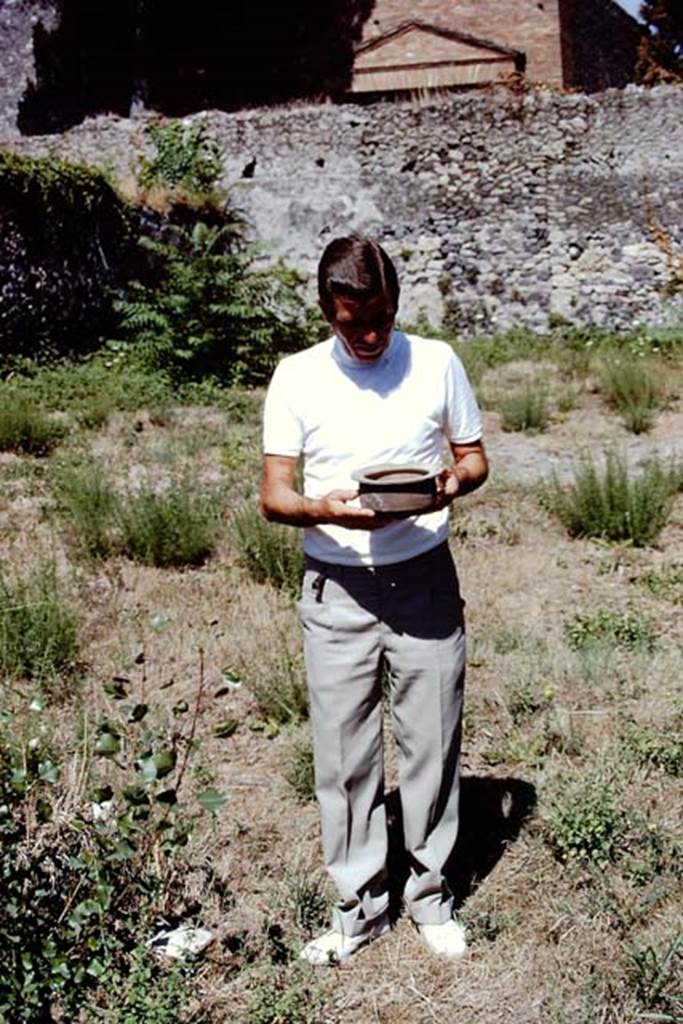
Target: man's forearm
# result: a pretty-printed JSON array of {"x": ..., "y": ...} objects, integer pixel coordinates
[
  {"x": 288, "y": 506},
  {"x": 471, "y": 472}
]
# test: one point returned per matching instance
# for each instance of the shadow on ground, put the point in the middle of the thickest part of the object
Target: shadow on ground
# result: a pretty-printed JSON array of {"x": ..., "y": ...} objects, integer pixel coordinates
[{"x": 492, "y": 813}]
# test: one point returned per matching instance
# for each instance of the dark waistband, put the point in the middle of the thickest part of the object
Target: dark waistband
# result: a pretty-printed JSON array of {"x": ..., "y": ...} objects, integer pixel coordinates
[{"x": 407, "y": 567}]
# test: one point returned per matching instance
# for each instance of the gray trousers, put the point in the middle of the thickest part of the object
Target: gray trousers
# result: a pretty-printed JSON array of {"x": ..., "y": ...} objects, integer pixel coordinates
[{"x": 409, "y": 616}]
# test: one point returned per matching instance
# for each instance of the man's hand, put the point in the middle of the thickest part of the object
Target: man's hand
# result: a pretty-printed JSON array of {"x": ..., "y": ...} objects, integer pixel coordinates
[
  {"x": 282, "y": 503},
  {"x": 336, "y": 511},
  {"x": 469, "y": 472}
]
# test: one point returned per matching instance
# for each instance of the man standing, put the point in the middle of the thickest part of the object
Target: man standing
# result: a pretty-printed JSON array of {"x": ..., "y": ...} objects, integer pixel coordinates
[{"x": 377, "y": 591}]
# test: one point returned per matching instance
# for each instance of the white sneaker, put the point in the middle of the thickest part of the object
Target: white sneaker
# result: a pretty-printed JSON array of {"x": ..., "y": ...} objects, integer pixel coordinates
[
  {"x": 447, "y": 939},
  {"x": 333, "y": 947}
]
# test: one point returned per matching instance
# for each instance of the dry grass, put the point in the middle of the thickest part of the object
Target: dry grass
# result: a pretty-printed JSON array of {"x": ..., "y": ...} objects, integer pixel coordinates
[{"x": 551, "y": 942}]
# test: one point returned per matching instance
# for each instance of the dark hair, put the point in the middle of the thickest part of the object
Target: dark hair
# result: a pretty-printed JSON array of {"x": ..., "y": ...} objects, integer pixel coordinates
[{"x": 357, "y": 267}]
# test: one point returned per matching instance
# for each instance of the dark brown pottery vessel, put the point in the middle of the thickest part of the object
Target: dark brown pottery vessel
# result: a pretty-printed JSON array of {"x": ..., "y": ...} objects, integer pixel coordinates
[{"x": 397, "y": 489}]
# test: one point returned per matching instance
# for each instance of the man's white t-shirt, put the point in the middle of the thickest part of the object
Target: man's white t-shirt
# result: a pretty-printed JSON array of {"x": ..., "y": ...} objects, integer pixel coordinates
[{"x": 341, "y": 414}]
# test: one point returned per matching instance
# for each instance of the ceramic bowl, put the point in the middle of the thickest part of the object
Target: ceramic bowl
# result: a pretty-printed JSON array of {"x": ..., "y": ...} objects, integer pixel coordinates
[{"x": 398, "y": 489}]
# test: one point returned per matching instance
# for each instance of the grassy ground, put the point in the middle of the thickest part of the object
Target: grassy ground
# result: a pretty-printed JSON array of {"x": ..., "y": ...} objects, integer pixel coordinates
[{"x": 566, "y": 871}]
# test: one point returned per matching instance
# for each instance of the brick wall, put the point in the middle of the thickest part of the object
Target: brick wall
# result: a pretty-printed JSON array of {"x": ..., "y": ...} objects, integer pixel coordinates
[{"x": 521, "y": 24}]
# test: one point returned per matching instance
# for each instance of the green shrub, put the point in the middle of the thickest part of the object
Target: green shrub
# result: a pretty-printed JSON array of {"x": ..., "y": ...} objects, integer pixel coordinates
[
  {"x": 525, "y": 411},
  {"x": 585, "y": 826},
  {"x": 610, "y": 629},
  {"x": 24, "y": 427},
  {"x": 209, "y": 313},
  {"x": 83, "y": 891},
  {"x": 37, "y": 626},
  {"x": 91, "y": 389},
  {"x": 299, "y": 768},
  {"x": 176, "y": 526},
  {"x": 666, "y": 582},
  {"x": 72, "y": 238},
  {"x": 284, "y": 995},
  {"x": 657, "y": 749},
  {"x": 86, "y": 503},
  {"x": 271, "y": 552},
  {"x": 613, "y": 505},
  {"x": 630, "y": 385}
]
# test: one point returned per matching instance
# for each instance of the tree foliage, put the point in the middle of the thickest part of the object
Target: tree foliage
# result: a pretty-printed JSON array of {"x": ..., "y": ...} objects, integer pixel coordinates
[
  {"x": 661, "y": 51},
  {"x": 209, "y": 312}
]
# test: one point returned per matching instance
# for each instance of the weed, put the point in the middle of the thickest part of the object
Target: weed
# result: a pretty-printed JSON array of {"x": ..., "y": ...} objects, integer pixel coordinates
[
  {"x": 278, "y": 684},
  {"x": 630, "y": 385},
  {"x": 610, "y": 629},
  {"x": 144, "y": 993},
  {"x": 655, "y": 975},
  {"x": 666, "y": 582},
  {"x": 270, "y": 551},
  {"x": 37, "y": 626},
  {"x": 525, "y": 411},
  {"x": 613, "y": 505},
  {"x": 304, "y": 899},
  {"x": 299, "y": 771},
  {"x": 80, "y": 893},
  {"x": 662, "y": 750},
  {"x": 284, "y": 995},
  {"x": 86, "y": 503},
  {"x": 24, "y": 427},
  {"x": 177, "y": 526},
  {"x": 584, "y": 825},
  {"x": 523, "y": 701},
  {"x": 185, "y": 158}
]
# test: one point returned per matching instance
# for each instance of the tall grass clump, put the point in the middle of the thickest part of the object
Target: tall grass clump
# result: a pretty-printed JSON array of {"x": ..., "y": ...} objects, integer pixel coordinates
[
  {"x": 86, "y": 503},
  {"x": 277, "y": 682},
  {"x": 271, "y": 552},
  {"x": 176, "y": 526},
  {"x": 612, "y": 504},
  {"x": 24, "y": 427},
  {"x": 631, "y": 387},
  {"x": 37, "y": 626},
  {"x": 525, "y": 410}
]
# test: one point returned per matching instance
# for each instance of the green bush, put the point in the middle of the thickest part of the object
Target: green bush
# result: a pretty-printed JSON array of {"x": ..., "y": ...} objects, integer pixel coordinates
[
  {"x": 82, "y": 892},
  {"x": 666, "y": 582},
  {"x": 277, "y": 681},
  {"x": 177, "y": 526},
  {"x": 284, "y": 995},
  {"x": 271, "y": 552},
  {"x": 209, "y": 313},
  {"x": 37, "y": 626},
  {"x": 585, "y": 826},
  {"x": 613, "y": 505},
  {"x": 630, "y": 385},
  {"x": 90, "y": 389},
  {"x": 24, "y": 427},
  {"x": 86, "y": 503},
  {"x": 610, "y": 629},
  {"x": 71, "y": 240},
  {"x": 656, "y": 749},
  {"x": 525, "y": 411}
]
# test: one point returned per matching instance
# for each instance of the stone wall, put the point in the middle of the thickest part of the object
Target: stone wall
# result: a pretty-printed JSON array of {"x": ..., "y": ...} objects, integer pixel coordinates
[
  {"x": 500, "y": 210},
  {"x": 18, "y": 18}
]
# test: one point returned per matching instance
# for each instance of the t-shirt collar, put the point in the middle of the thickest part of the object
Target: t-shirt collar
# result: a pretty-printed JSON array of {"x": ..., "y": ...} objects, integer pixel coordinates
[{"x": 344, "y": 358}]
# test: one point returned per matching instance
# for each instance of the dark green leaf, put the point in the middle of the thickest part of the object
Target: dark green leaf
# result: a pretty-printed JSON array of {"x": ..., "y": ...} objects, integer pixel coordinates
[
  {"x": 135, "y": 795},
  {"x": 167, "y": 796},
  {"x": 138, "y": 712}
]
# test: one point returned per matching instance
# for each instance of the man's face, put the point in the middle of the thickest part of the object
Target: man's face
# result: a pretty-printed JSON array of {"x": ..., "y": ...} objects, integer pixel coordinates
[{"x": 363, "y": 326}]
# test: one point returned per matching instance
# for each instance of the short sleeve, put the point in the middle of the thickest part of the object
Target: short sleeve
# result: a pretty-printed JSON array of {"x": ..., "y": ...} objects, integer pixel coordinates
[
  {"x": 462, "y": 419},
  {"x": 282, "y": 428}
]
